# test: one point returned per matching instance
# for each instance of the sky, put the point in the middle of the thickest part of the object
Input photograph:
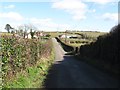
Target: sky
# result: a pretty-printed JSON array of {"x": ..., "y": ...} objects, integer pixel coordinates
[{"x": 60, "y": 15}]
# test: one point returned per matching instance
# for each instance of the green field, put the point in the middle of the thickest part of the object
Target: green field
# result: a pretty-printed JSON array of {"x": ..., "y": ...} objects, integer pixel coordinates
[
  {"x": 91, "y": 33},
  {"x": 89, "y": 37}
]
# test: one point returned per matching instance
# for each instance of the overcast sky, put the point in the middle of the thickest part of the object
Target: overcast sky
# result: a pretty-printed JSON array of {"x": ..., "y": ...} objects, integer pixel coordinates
[{"x": 60, "y": 15}]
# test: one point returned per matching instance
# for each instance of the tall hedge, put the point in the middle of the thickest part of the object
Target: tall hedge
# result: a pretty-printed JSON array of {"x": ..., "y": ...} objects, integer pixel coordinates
[
  {"x": 105, "y": 48},
  {"x": 18, "y": 53}
]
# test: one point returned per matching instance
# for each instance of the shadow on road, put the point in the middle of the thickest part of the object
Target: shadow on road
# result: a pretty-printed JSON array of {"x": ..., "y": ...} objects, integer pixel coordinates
[
  {"x": 68, "y": 72},
  {"x": 59, "y": 75},
  {"x": 71, "y": 73}
]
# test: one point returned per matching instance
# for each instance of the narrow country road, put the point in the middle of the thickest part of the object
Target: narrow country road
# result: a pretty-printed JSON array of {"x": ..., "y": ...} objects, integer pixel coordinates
[{"x": 67, "y": 72}]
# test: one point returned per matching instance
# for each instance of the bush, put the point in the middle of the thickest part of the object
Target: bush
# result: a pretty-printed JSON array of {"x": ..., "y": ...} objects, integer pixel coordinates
[
  {"x": 48, "y": 35},
  {"x": 105, "y": 49},
  {"x": 18, "y": 54}
]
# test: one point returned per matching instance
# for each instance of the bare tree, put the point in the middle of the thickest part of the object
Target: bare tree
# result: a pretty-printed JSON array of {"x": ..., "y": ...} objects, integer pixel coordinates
[{"x": 22, "y": 30}]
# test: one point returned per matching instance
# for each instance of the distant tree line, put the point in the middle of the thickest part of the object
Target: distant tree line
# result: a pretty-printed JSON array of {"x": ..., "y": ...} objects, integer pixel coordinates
[
  {"x": 105, "y": 48},
  {"x": 22, "y": 30}
]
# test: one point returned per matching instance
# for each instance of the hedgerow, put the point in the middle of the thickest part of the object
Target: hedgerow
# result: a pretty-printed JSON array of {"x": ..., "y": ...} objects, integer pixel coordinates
[{"x": 18, "y": 54}]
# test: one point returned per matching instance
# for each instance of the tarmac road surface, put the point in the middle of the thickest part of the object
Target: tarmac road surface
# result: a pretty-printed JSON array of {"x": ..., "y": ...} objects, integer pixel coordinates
[{"x": 67, "y": 72}]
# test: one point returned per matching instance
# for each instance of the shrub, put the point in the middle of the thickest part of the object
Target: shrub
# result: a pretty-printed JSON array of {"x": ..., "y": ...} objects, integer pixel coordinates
[
  {"x": 105, "y": 48},
  {"x": 18, "y": 54}
]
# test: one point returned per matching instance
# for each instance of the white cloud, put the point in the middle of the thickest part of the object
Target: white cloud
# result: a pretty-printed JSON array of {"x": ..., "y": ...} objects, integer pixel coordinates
[
  {"x": 47, "y": 23},
  {"x": 41, "y": 21},
  {"x": 110, "y": 16},
  {"x": 101, "y": 1},
  {"x": 73, "y": 7},
  {"x": 26, "y": 1},
  {"x": 92, "y": 11},
  {"x": 15, "y": 19},
  {"x": 10, "y": 6},
  {"x": 11, "y": 16}
]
